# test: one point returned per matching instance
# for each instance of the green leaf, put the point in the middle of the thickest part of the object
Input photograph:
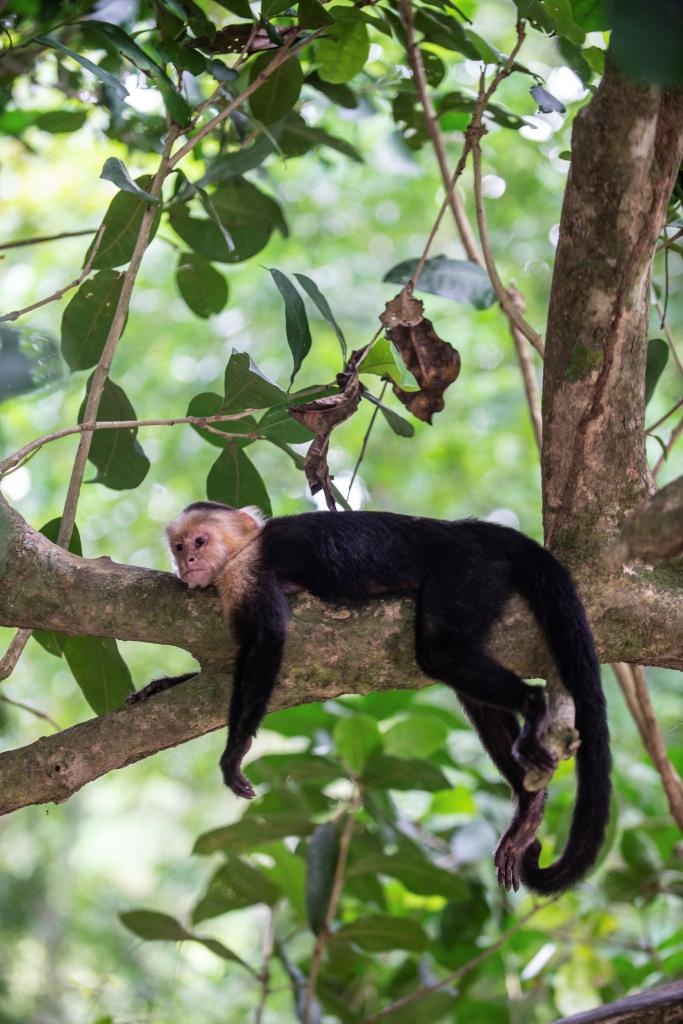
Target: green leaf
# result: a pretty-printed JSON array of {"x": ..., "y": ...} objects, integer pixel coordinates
[
  {"x": 209, "y": 404},
  {"x": 415, "y": 736},
  {"x": 178, "y": 108},
  {"x": 122, "y": 225},
  {"x": 657, "y": 358},
  {"x": 341, "y": 95},
  {"x": 383, "y": 360},
  {"x": 591, "y": 15},
  {"x": 246, "y": 387},
  {"x": 418, "y": 874},
  {"x": 99, "y": 670},
  {"x": 182, "y": 57},
  {"x": 355, "y": 738},
  {"x": 321, "y": 863},
  {"x": 153, "y": 926},
  {"x": 57, "y": 121},
  {"x": 205, "y": 290},
  {"x": 312, "y": 14},
  {"x": 298, "y": 138},
  {"x": 87, "y": 319},
  {"x": 236, "y": 884},
  {"x": 377, "y": 933},
  {"x": 399, "y": 424},
  {"x": 323, "y": 306},
  {"x": 234, "y": 480},
  {"x": 239, "y": 204},
  {"x": 115, "y": 170},
  {"x": 279, "y": 425},
  {"x": 304, "y": 769},
  {"x": 120, "y": 461},
  {"x": 47, "y": 638},
  {"x": 459, "y": 280},
  {"x": 385, "y": 772},
  {"x": 640, "y": 853},
  {"x": 279, "y": 93},
  {"x": 251, "y": 831},
  {"x": 296, "y": 321},
  {"x": 343, "y": 52},
  {"x": 104, "y": 76},
  {"x": 233, "y": 165}
]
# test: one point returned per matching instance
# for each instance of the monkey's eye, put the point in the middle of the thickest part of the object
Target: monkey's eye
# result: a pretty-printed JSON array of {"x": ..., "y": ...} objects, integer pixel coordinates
[
  {"x": 178, "y": 547},
  {"x": 199, "y": 542}
]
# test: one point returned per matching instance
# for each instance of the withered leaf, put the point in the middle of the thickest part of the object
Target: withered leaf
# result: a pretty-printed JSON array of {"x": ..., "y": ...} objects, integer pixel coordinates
[
  {"x": 433, "y": 362},
  {"x": 322, "y": 416}
]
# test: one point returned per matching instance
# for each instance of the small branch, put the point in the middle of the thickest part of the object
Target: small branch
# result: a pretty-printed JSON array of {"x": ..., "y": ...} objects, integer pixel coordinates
[
  {"x": 46, "y": 238},
  {"x": 461, "y": 971},
  {"x": 670, "y": 241},
  {"x": 337, "y": 884},
  {"x": 526, "y": 365},
  {"x": 14, "y": 460},
  {"x": 658, "y": 423},
  {"x": 633, "y": 684},
  {"x": 67, "y": 287},
  {"x": 668, "y": 335},
  {"x": 363, "y": 447},
  {"x": 268, "y": 938},
  {"x": 13, "y": 653},
  {"x": 673, "y": 437},
  {"x": 29, "y": 707}
]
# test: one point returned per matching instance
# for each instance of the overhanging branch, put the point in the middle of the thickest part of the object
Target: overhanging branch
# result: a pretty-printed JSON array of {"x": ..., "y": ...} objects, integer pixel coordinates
[{"x": 654, "y": 533}]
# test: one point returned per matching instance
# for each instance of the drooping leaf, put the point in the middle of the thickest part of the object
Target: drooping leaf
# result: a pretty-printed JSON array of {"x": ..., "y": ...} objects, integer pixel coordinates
[
  {"x": 657, "y": 358},
  {"x": 459, "y": 280},
  {"x": 298, "y": 138},
  {"x": 234, "y": 480},
  {"x": 120, "y": 461},
  {"x": 385, "y": 772},
  {"x": 399, "y": 424},
  {"x": 312, "y": 14},
  {"x": 153, "y": 926},
  {"x": 48, "y": 638},
  {"x": 58, "y": 121},
  {"x": 87, "y": 319},
  {"x": 296, "y": 321},
  {"x": 233, "y": 165},
  {"x": 177, "y": 106},
  {"x": 115, "y": 170},
  {"x": 321, "y": 863},
  {"x": 341, "y": 95},
  {"x": 317, "y": 297},
  {"x": 204, "y": 290},
  {"x": 99, "y": 670},
  {"x": 377, "y": 933},
  {"x": 417, "y": 873},
  {"x": 251, "y": 831},
  {"x": 235, "y": 884},
  {"x": 104, "y": 76},
  {"x": 247, "y": 387},
  {"x": 415, "y": 736},
  {"x": 356, "y": 738},
  {"x": 279, "y": 93},
  {"x": 122, "y": 224},
  {"x": 343, "y": 52}
]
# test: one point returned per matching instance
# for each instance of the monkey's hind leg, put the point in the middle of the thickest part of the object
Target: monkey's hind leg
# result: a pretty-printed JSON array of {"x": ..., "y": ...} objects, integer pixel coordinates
[{"x": 157, "y": 686}]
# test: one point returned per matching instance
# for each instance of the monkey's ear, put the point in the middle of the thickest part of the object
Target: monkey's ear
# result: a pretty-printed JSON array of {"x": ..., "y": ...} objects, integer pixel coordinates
[{"x": 254, "y": 514}]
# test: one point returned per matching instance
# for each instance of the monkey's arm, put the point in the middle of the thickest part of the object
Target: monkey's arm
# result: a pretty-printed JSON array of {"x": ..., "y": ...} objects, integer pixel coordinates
[
  {"x": 261, "y": 625},
  {"x": 157, "y": 686}
]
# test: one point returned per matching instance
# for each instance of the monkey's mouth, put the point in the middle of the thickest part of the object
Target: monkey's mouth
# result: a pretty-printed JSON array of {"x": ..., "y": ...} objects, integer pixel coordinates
[{"x": 196, "y": 577}]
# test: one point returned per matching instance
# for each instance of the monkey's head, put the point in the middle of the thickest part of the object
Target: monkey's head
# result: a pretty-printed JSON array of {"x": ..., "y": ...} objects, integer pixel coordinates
[{"x": 206, "y": 536}]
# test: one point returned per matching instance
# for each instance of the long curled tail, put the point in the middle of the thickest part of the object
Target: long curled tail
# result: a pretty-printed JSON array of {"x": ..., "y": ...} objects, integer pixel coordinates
[{"x": 548, "y": 588}]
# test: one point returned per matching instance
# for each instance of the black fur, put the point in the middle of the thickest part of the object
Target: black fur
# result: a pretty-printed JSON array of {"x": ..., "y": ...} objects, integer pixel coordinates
[{"x": 462, "y": 573}]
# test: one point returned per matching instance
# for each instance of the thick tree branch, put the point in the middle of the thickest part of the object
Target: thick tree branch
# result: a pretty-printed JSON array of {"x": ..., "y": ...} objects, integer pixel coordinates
[
  {"x": 654, "y": 533},
  {"x": 330, "y": 650},
  {"x": 626, "y": 149},
  {"x": 657, "y": 1006}
]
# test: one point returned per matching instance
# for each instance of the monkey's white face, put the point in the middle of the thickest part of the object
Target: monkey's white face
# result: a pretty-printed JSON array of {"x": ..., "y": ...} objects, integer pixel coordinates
[{"x": 199, "y": 555}]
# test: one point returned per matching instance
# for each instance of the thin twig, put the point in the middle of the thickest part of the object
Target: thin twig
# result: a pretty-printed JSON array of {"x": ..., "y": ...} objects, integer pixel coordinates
[
  {"x": 361, "y": 454},
  {"x": 335, "y": 894},
  {"x": 668, "y": 335},
  {"x": 14, "y": 460},
  {"x": 633, "y": 684},
  {"x": 31, "y": 710},
  {"x": 526, "y": 365},
  {"x": 46, "y": 238},
  {"x": 673, "y": 437},
  {"x": 461, "y": 971},
  {"x": 13, "y": 653},
  {"x": 669, "y": 241},
  {"x": 657, "y": 423},
  {"x": 67, "y": 287},
  {"x": 268, "y": 937}
]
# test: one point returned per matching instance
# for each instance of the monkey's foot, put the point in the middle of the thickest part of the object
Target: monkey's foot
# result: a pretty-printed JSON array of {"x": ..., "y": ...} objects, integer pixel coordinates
[
  {"x": 157, "y": 686},
  {"x": 233, "y": 777},
  {"x": 532, "y": 754},
  {"x": 519, "y": 838}
]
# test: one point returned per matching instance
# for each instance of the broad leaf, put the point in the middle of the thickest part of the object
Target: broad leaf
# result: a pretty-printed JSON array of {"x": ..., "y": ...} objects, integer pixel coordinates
[
  {"x": 399, "y": 424},
  {"x": 153, "y": 926},
  {"x": 279, "y": 93},
  {"x": 459, "y": 280},
  {"x": 415, "y": 736},
  {"x": 279, "y": 425},
  {"x": 234, "y": 480},
  {"x": 355, "y": 738},
  {"x": 57, "y": 121},
  {"x": 657, "y": 358},
  {"x": 251, "y": 831},
  {"x": 377, "y": 933},
  {"x": 384, "y": 772},
  {"x": 122, "y": 225},
  {"x": 343, "y": 52},
  {"x": 296, "y": 321},
  {"x": 99, "y": 670},
  {"x": 115, "y": 170},
  {"x": 246, "y": 387},
  {"x": 298, "y": 138},
  {"x": 121, "y": 463},
  {"x": 321, "y": 863},
  {"x": 209, "y": 404},
  {"x": 87, "y": 319},
  {"x": 235, "y": 885},
  {"x": 47, "y": 638},
  {"x": 104, "y": 76},
  {"x": 205, "y": 290},
  {"x": 317, "y": 297},
  {"x": 383, "y": 360}
]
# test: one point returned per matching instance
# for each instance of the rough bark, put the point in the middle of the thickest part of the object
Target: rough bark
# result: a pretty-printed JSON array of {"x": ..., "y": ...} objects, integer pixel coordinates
[
  {"x": 654, "y": 533},
  {"x": 663, "y": 1005},
  {"x": 627, "y": 145},
  {"x": 331, "y": 649}
]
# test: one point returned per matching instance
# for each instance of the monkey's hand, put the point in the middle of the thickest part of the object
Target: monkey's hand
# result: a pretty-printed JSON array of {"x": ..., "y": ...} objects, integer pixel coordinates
[
  {"x": 519, "y": 838},
  {"x": 157, "y": 686},
  {"x": 233, "y": 777}
]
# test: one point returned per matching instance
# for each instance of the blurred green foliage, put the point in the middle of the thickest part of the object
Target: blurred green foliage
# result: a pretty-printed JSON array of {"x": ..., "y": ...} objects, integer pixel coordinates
[{"x": 105, "y": 915}]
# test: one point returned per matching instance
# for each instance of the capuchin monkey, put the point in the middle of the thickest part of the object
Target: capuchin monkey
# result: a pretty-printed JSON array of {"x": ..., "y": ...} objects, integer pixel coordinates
[{"x": 461, "y": 573}]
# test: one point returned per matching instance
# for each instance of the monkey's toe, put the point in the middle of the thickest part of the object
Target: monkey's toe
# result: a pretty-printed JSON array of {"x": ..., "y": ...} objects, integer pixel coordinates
[
  {"x": 534, "y": 755},
  {"x": 507, "y": 859},
  {"x": 137, "y": 697}
]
